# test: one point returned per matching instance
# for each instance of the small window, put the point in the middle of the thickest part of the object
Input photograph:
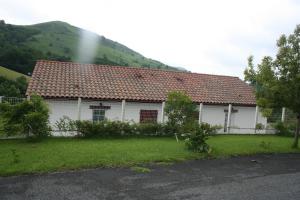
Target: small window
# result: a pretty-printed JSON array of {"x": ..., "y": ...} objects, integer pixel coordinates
[
  {"x": 98, "y": 115},
  {"x": 148, "y": 116}
]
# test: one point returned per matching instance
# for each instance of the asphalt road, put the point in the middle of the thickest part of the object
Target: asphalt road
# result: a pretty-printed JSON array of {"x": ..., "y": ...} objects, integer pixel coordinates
[{"x": 252, "y": 177}]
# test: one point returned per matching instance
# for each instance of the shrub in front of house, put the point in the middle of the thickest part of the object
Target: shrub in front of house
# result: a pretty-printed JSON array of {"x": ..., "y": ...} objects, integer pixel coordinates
[
  {"x": 196, "y": 140},
  {"x": 65, "y": 124},
  {"x": 151, "y": 129},
  {"x": 90, "y": 129},
  {"x": 195, "y": 136},
  {"x": 103, "y": 128},
  {"x": 29, "y": 118},
  {"x": 180, "y": 111},
  {"x": 117, "y": 129},
  {"x": 284, "y": 128}
]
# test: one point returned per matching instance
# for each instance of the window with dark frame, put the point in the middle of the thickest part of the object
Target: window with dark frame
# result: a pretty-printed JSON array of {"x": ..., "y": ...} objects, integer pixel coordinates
[
  {"x": 148, "y": 116},
  {"x": 98, "y": 115}
]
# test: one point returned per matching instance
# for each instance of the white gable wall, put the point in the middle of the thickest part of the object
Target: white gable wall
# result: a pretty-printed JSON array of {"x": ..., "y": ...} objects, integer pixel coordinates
[
  {"x": 213, "y": 115},
  {"x": 132, "y": 110},
  {"x": 241, "y": 121},
  {"x": 60, "y": 108},
  {"x": 114, "y": 113}
]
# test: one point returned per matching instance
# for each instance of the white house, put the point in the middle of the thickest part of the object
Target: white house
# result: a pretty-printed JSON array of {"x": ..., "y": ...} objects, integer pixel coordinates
[{"x": 97, "y": 92}]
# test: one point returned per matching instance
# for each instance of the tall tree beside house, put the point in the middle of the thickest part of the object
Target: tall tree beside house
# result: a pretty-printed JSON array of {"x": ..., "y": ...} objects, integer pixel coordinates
[{"x": 277, "y": 81}]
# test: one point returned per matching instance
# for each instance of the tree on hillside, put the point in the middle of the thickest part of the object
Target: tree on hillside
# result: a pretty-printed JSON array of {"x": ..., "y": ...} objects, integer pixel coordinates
[
  {"x": 277, "y": 81},
  {"x": 13, "y": 88}
]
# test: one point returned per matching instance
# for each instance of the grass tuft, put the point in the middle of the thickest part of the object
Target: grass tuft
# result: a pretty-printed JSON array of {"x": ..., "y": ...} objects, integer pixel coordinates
[{"x": 140, "y": 169}]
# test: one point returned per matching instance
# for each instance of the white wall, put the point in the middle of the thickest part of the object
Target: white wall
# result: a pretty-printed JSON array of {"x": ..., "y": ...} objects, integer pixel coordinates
[
  {"x": 132, "y": 110},
  {"x": 114, "y": 113},
  {"x": 213, "y": 115},
  {"x": 241, "y": 121},
  {"x": 60, "y": 108}
]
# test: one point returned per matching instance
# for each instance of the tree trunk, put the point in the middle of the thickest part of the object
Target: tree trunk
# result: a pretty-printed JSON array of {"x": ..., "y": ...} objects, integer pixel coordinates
[{"x": 295, "y": 144}]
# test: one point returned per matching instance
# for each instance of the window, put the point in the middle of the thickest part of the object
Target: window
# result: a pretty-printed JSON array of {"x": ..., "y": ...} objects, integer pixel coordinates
[
  {"x": 148, "y": 116},
  {"x": 98, "y": 115}
]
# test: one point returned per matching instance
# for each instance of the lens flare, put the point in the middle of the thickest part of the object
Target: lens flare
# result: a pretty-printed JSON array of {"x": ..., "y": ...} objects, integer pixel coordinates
[{"x": 87, "y": 47}]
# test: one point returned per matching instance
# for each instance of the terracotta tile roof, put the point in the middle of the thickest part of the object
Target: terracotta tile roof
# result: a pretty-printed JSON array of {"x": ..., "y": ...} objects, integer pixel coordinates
[{"x": 53, "y": 79}]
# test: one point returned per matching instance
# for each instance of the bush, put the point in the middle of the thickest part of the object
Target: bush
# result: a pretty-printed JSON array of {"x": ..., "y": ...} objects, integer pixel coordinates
[
  {"x": 180, "y": 111},
  {"x": 285, "y": 129},
  {"x": 196, "y": 135},
  {"x": 28, "y": 118},
  {"x": 89, "y": 129},
  {"x": 65, "y": 124},
  {"x": 36, "y": 125},
  {"x": 259, "y": 126},
  {"x": 104, "y": 128},
  {"x": 117, "y": 129},
  {"x": 108, "y": 128},
  {"x": 196, "y": 140},
  {"x": 149, "y": 129}
]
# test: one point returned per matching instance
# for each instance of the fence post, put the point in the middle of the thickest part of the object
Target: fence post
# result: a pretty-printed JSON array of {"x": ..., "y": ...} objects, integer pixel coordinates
[
  {"x": 163, "y": 112},
  {"x": 283, "y": 114},
  {"x": 200, "y": 112},
  {"x": 1, "y": 99},
  {"x": 78, "y": 108},
  {"x": 229, "y": 118},
  {"x": 255, "y": 118},
  {"x": 123, "y": 104}
]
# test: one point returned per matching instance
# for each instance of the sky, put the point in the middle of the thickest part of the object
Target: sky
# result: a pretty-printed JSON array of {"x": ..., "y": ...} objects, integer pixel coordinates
[{"x": 214, "y": 36}]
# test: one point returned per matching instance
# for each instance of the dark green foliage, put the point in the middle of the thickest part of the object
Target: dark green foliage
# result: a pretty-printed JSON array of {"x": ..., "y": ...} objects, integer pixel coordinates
[
  {"x": 104, "y": 61},
  {"x": 259, "y": 126},
  {"x": 65, "y": 124},
  {"x": 118, "y": 129},
  {"x": 152, "y": 129},
  {"x": 277, "y": 81},
  {"x": 196, "y": 140},
  {"x": 21, "y": 59},
  {"x": 180, "y": 111},
  {"x": 196, "y": 135},
  {"x": 22, "y": 46},
  {"x": 13, "y": 88},
  {"x": 181, "y": 117},
  {"x": 103, "y": 128},
  {"x": 285, "y": 129},
  {"x": 28, "y": 118}
]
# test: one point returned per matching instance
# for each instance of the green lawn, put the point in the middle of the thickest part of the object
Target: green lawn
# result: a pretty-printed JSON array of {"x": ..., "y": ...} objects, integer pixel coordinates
[
  {"x": 231, "y": 145},
  {"x": 19, "y": 156}
]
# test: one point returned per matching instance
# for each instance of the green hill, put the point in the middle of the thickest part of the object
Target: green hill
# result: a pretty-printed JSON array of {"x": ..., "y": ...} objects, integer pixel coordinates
[
  {"x": 23, "y": 45},
  {"x": 10, "y": 74}
]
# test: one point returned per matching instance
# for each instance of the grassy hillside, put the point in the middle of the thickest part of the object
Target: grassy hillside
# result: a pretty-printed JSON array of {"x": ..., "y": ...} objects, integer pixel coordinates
[
  {"x": 23, "y": 45},
  {"x": 10, "y": 74}
]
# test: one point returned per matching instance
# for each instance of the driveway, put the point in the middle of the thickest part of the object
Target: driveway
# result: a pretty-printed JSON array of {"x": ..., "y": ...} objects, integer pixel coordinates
[{"x": 251, "y": 177}]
